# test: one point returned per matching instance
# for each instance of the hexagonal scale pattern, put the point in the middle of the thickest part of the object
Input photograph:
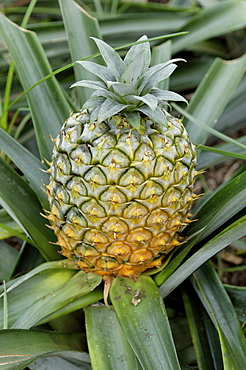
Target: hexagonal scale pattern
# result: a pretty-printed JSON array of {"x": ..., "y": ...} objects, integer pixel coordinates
[{"x": 119, "y": 198}]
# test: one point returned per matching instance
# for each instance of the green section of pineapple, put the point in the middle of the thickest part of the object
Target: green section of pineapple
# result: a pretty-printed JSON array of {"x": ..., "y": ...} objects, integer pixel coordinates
[{"x": 123, "y": 169}]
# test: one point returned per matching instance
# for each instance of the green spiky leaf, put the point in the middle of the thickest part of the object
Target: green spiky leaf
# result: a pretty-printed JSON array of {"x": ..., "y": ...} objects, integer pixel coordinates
[
  {"x": 158, "y": 115},
  {"x": 91, "y": 84},
  {"x": 156, "y": 74},
  {"x": 101, "y": 71},
  {"x": 135, "y": 70},
  {"x": 136, "y": 49},
  {"x": 134, "y": 119},
  {"x": 149, "y": 100},
  {"x": 129, "y": 85},
  {"x": 112, "y": 59},
  {"x": 122, "y": 89},
  {"x": 143, "y": 318},
  {"x": 164, "y": 95},
  {"x": 109, "y": 108}
]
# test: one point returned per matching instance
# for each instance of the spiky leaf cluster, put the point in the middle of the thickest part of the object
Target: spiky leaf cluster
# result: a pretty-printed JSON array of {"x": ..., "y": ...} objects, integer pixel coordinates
[{"x": 128, "y": 86}]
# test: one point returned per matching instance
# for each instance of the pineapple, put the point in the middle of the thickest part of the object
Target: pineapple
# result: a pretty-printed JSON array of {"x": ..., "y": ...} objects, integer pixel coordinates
[{"x": 122, "y": 170}]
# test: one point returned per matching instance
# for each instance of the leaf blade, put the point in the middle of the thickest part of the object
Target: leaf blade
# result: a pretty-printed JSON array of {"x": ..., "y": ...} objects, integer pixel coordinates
[
  {"x": 30, "y": 165},
  {"x": 223, "y": 239},
  {"x": 8, "y": 259},
  {"x": 24, "y": 291},
  {"x": 206, "y": 24},
  {"x": 20, "y": 347},
  {"x": 48, "y": 105},
  {"x": 218, "y": 305},
  {"x": 79, "y": 24},
  {"x": 55, "y": 299},
  {"x": 134, "y": 300},
  {"x": 31, "y": 220},
  {"x": 220, "y": 207},
  {"x": 121, "y": 354},
  {"x": 204, "y": 335},
  {"x": 213, "y": 94},
  {"x": 111, "y": 57}
]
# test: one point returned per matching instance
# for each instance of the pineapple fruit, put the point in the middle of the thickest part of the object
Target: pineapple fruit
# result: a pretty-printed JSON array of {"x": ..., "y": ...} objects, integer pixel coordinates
[{"x": 122, "y": 170}]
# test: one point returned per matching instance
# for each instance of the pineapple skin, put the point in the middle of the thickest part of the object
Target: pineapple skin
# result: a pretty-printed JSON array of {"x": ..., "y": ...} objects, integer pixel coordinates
[{"x": 120, "y": 198}]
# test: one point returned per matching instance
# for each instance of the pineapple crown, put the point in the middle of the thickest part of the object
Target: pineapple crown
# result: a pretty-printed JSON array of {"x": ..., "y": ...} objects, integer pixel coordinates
[{"x": 128, "y": 86}]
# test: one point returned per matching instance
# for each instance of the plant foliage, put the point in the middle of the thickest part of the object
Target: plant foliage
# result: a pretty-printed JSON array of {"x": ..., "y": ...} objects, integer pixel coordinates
[{"x": 181, "y": 316}]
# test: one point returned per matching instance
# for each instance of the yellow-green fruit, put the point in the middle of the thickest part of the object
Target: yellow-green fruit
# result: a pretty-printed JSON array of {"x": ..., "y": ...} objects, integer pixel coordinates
[{"x": 120, "y": 191}]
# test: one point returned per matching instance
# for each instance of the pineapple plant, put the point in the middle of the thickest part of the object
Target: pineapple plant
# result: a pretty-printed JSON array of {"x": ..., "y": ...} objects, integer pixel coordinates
[
  {"x": 123, "y": 169},
  {"x": 52, "y": 313}
]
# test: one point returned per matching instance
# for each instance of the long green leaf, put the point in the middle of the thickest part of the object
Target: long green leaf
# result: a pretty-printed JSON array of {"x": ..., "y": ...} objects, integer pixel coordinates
[
  {"x": 127, "y": 26},
  {"x": 30, "y": 165},
  {"x": 189, "y": 75},
  {"x": 21, "y": 347},
  {"x": 233, "y": 232},
  {"x": 23, "y": 292},
  {"x": 79, "y": 285},
  {"x": 18, "y": 234},
  {"x": 63, "y": 361},
  {"x": 8, "y": 259},
  {"x": 28, "y": 259},
  {"x": 213, "y": 94},
  {"x": 92, "y": 56},
  {"x": 181, "y": 335},
  {"x": 22, "y": 204},
  {"x": 47, "y": 292},
  {"x": 217, "y": 210},
  {"x": 213, "y": 155},
  {"x": 143, "y": 318},
  {"x": 210, "y": 22},
  {"x": 10, "y": 226},
  {"x": 218, "y": 305},
  {"x": 221, "y": 206},
  {"x": 113, "y": 353},
  {"x": 161, "y": 54},
  {"x": 80, "y": 26},
  {"x": 208, "y": 129},
  {"x": 48, "y": 105},
  {"x": 63, "y": 264},
  {"x": 204, "y": 335},
  {"x": 75, "y": 305},
  {"x": 237, "y": 295},
  {"x": 235, "y": 111}
]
